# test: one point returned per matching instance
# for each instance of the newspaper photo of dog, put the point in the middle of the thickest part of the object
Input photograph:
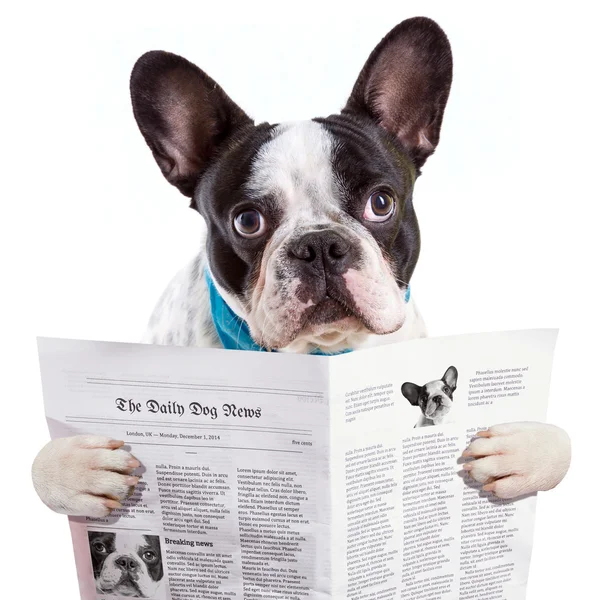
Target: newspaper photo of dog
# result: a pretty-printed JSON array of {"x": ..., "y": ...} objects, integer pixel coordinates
[
  {"x": 434, "y": 399},
  {"x": 127, "y": 564}
]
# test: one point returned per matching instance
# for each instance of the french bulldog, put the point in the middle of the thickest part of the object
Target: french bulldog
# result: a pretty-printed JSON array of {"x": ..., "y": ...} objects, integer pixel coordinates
[
  {"x": 434, "y": 398},
  {"x": 309, "y": 244},
  {"x": 126, "y": 565}
]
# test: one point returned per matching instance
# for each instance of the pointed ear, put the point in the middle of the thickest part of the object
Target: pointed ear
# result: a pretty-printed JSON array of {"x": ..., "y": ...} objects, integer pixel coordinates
[
  {"x": 184, "y": 116},
  {"x": 451, "y": 377},
  {"x": 405, "y": 83},
  {"x": 411, "y": 392}
]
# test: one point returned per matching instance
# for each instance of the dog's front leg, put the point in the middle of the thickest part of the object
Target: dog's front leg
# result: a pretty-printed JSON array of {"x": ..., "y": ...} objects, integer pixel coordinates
[
  {"x": 84, "y": 475},
  {"x": 514, "y": 459}
]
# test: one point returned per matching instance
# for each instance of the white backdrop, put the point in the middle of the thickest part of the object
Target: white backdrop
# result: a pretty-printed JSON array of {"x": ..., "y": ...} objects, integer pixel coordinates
[{"x": 90, "y": 231}]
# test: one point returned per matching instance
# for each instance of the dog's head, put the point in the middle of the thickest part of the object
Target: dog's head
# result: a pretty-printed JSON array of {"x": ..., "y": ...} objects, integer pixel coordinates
[
  {"x": 312, "y": 236},
  {"x": 434, "y": 398},
  {"x": 126, "y": 565}
]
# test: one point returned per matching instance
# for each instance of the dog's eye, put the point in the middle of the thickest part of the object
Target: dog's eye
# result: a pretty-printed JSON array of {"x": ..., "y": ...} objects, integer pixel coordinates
[
  {"x": 446, "y": 389},
  {"x": 99, "y": 547},
  {"x": 380, "y": 207},
  {"x": 249, "y": 223},
  {"x": 149, "y": 556}
]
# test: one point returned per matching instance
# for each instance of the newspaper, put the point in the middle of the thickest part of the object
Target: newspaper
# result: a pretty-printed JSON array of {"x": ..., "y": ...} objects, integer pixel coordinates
[{"x": 274, "y": 475}]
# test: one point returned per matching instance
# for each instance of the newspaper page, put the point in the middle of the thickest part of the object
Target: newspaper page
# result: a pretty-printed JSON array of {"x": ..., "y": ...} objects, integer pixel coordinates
[
  {"x": 406, "y": 526},
  {"x": 272, "y": 475},
  {"x": 234, "y": 497}
]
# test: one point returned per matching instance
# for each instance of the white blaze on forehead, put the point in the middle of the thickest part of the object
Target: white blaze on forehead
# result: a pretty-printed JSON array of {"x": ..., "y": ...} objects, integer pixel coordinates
[
  {"x": 296, "y": 166},
  {"x": 129, "y": 545}
]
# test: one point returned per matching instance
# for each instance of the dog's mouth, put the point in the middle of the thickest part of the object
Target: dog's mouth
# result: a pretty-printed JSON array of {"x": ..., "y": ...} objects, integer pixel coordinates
[
  {"x": 328, "y": 325},
  {"x": 329, "y": 310},
  {"x": 339, "y": 309},
  {"x": 127, "y": 588},
  {"x": 330, "y": 321},
  {"x": 437, "y": 409}
]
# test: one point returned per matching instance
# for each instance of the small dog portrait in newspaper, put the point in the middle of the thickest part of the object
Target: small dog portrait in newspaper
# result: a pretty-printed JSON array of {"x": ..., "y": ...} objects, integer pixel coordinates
[
  {"x": 127, "y": 564},
  {"x": 434, "y": 398}
]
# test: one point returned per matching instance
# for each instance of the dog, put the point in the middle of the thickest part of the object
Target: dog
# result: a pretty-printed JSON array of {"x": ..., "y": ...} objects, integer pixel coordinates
[
  {"x": 309, "y": 245},
  {"x": 126, "y": 565},
  {"x": 434, "y": 398}
]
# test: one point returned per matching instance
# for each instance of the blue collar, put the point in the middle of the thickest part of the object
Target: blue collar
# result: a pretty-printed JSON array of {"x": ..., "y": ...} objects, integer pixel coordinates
[{"x": 233, "y": 331}]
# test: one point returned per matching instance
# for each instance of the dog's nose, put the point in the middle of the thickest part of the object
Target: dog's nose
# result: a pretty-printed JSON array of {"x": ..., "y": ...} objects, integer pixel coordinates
[
  {"x": 438, "y": 399},
  {"x": 323, "y": 250},
  {"x": 127, "y": 564}
]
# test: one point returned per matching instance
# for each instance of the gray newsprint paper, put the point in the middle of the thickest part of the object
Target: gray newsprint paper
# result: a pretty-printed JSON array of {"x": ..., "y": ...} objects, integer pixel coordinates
[{"x": 273, "y": 475}]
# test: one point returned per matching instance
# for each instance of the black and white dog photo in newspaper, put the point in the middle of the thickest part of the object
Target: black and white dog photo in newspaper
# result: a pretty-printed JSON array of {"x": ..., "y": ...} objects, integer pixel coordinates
[
  {"x": 309, "y": 241},
  {"x": 434, "y": 399},
  {"x": 126, "y": 564}
]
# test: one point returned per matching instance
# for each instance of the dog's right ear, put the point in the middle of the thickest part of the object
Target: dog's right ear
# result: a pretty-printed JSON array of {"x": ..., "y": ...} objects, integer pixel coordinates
[
  {"x": 183, "y": 115},
  {"x": 411, "y": 392}
]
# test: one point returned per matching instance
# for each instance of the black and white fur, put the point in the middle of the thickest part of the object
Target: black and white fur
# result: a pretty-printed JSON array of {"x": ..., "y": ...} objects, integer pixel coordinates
[
  {"x": 318, "y": 270},
  {"x": 434, "y": 399},
  {"x": 126, "y": 565}
]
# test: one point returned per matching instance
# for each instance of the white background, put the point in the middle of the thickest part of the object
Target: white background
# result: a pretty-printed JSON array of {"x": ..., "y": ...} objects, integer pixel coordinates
[{"x": 90, "y": 231}]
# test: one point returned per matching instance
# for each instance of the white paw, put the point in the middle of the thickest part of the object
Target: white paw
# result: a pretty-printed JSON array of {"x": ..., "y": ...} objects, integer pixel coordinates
[
  {"x": 513, "y": 459},
  {"x": 85, "y": 475}
]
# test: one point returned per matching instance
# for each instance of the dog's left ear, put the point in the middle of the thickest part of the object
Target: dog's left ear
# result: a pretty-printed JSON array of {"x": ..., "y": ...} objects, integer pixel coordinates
[
  {"x": 184, "y": 116},
  {"x": 405, "y": 83},
  {"x": 451, "y": 377}
]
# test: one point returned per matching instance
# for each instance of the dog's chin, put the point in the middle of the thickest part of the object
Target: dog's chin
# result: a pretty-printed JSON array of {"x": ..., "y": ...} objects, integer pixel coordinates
[
  {"x": 326, "y": 312},
  {"x": 330, "y": 326},
  {"x": 128, "y": 590},
  {"x": 125, "y": 588},
  {"x": 439, "y": 415}
]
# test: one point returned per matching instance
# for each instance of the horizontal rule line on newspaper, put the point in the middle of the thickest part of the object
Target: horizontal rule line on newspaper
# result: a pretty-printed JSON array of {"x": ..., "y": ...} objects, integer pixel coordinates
[
  {"x": 208, "y": 388},
  {"x": 224, "y": 447}
]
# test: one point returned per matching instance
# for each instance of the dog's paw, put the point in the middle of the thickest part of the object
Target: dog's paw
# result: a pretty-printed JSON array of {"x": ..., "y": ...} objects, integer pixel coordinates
[
  {"x": 514, "y": 459},
  {"x": 85, "y": 475}
]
